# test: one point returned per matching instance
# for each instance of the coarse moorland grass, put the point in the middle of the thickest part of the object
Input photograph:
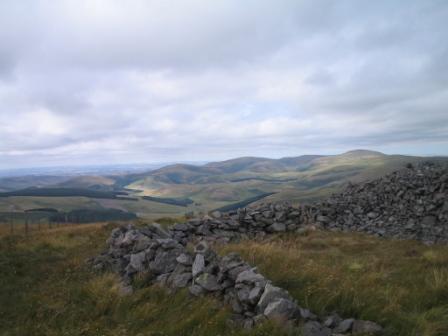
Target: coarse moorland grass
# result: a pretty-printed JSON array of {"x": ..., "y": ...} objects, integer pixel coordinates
[
  {"x": 403, "y": 285},
  {"x": 46, "y": 288}
]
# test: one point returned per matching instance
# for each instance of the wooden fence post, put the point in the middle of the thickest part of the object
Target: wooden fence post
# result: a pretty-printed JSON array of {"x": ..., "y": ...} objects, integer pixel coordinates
[{"x": 26, "y": 226}]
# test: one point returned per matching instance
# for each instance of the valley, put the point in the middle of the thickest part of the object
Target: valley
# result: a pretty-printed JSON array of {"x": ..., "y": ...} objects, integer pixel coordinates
[{"x": 186, "y": 189}]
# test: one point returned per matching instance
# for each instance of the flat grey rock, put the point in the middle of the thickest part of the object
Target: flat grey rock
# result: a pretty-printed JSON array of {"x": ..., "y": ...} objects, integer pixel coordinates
[
  {"x": 249, "y": 276},
  {"x": 137, "y": 261},
  {"x": 270, "y": 294},
  {"x": 184, "y": 259},
  {"x": 344, "y": 326},
  {"x": 314, "y": 328},
  {"x": 366, "y": 328},
  {"x": 281, "y": 310},
  {"x": 208, "y": 282},
  {"x": 198, "y": 264},
  {"x": 196, "y": 290}
]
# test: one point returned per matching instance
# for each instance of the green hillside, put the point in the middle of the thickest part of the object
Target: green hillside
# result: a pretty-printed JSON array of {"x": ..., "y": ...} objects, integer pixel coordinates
[
  {"x": 23, "y": 182},
  {"x": 296, "y": 179},
  {"x": 176, "y": 190},
  {"x": 63, "y": 192},
  {"x": 103, "y": 183}
]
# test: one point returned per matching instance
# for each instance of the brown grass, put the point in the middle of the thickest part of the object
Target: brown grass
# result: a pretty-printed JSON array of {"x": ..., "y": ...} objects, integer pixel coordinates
[
  {"x": 401, "y": 284},
  {"x": 48, "y": 289}
]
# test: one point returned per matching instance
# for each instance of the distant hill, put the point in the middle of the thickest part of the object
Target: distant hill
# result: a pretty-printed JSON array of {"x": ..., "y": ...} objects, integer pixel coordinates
[
  {"x": 298, "y": 179},
  {"x": 362, "y": 153},
  {"x": 61, "y": 192},
  {"x": 88, "y": 182},
  {"x": 182, "y": 173},
  {"x": 180, "y": 188},
  {"x": 23, "y": 182},
  {"x": 219, "y": 171},
  {"x": 252, "y": 164},
  {"x": 263, "y": 168}
]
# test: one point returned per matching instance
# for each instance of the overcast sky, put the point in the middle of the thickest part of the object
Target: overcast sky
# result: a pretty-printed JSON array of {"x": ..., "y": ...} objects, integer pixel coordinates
[{"x": 96, "y": 82}]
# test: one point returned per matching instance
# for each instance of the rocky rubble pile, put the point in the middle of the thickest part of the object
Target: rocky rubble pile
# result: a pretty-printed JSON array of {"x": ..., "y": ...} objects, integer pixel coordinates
[
  {"x": 244, "y": 223},
  {"x": 408, "y": 204},
  {"x": 165, "y": 259}
]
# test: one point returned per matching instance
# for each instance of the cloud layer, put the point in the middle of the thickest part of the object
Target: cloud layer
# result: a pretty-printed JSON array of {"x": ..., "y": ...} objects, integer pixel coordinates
[{"x": 112, "y": 81}]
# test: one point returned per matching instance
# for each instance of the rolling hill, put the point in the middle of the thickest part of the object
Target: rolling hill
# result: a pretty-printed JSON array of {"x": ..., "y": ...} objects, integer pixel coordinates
[
  {"x": 22, "y": 182},
  {"x": 206, "y": 187},
  {"x": 295, "y": 179},
  {"x": 93, "y": 182}
]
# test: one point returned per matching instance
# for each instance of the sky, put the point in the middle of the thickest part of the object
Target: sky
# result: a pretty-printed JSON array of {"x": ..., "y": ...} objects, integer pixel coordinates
[{"x": 115, "y": 81}]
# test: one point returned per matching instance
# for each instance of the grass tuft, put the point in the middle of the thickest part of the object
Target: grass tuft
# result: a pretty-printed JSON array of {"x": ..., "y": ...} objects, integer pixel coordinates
[
  {"x": 47, "y": 288},
  {"x": 403, "y": 285}
]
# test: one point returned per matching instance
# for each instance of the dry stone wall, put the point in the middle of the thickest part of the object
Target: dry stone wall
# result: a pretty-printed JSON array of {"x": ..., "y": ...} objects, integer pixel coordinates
[
  {"x": 252, "y": 297},
  {"x": 409, "y": 204}
]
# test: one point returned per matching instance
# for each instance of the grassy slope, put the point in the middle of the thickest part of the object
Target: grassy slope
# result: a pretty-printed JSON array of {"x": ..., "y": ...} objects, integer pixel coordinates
[
  {"x": 89, "y": 181},
  {"x": 22, "y": 203},
  {"x": 316, "y": 178},
  {"x": 22, "y": 182},
  {"x": 401, "y": 284},
  {"x": 143, "y": 208},
  {"x": 47, "y": 289},
  {"x": 328, "y": 175}
]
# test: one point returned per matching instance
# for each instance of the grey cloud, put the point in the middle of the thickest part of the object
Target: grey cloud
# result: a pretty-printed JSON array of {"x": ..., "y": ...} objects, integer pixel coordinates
[
  {"x": 155, "y": 80},
  {"x": 7, "y": 65}
]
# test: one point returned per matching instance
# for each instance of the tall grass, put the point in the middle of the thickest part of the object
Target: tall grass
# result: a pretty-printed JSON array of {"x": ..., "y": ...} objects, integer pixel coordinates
[
  {"x": 46, "y": 288},
  {"x": 403, "y": 285}
]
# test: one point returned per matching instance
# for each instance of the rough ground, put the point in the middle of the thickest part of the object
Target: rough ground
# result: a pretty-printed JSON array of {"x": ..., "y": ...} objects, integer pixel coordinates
[
  {"x": 47, "y": 289},
  {"x": 406, "y": 204}
]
